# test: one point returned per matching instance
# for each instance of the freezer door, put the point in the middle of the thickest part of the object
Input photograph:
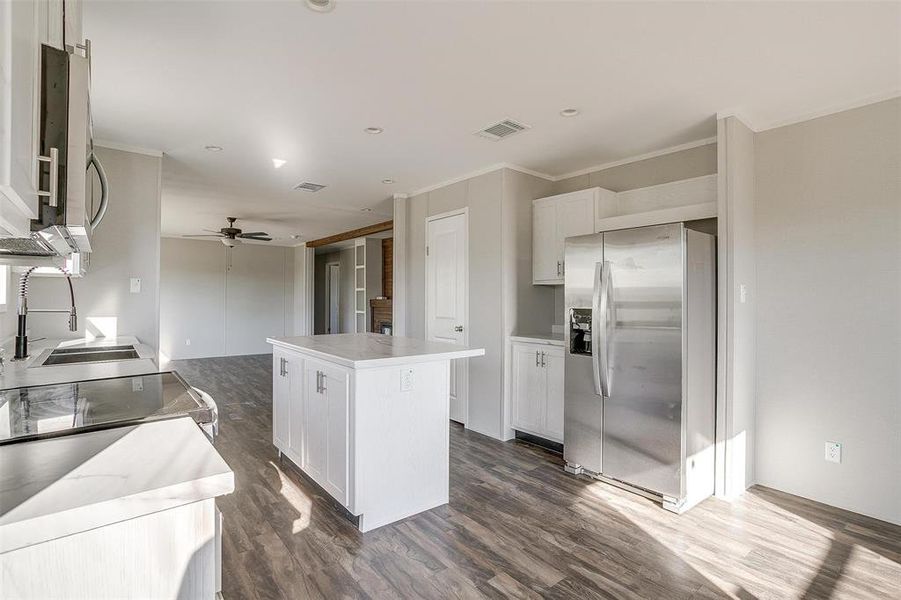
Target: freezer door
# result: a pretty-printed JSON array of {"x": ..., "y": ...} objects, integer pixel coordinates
[
  {"x": 583, "y": 407},
  {"x": 643, "y": 412}
]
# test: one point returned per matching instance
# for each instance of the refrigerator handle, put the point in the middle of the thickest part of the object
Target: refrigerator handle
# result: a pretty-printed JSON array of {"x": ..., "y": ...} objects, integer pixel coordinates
[
  {"x": 602, "y": 364},
  {"x": 595, "y": 327}
]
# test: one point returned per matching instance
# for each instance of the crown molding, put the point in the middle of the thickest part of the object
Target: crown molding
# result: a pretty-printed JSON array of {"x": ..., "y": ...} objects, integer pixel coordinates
[
  {"x": 126, "y": 148},
  {"x": 640, "y": 157}
]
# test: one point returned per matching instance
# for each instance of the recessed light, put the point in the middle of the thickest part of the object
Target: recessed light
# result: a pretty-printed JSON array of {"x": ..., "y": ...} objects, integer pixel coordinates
[
  {"x": 373, "y": 130},
  {"x": 212, "y": 148},
  {"x": 278, "y": 163},
  {"x": 321, "y": 5},
  {"x": 367, "y": 209},
  {"x": 569, "y": 112},
  {"x": 387, "y": 181}
]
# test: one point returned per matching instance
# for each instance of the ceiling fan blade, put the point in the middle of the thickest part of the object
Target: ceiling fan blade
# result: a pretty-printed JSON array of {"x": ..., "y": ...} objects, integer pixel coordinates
[
  {"x": 253, "y": 234},
  {"x": 215, "y": 235},
  {"x": 258, "y": 238}
]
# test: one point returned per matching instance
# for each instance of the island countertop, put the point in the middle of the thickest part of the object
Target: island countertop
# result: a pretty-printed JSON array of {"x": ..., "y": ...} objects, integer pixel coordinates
[{"x": 370, "y": 350}]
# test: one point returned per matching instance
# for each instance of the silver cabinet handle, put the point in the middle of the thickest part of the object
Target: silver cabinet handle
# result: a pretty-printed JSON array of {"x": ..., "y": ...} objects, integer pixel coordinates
[
  {"x": 281, "y": 367},
  {"x": 318, "y": 382},
  {"x": 53, "y": 192},
  {"x": 558, "y": 267},
  {"x": 322, "y": 382},
  {"x": 537, "y": 364},
  {"x": 543, "y": 361},
  {"x": 458, "y": 328}
]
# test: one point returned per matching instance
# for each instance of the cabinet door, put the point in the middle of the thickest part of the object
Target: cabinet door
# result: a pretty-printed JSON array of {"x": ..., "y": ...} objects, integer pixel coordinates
[
  {"x": 18, "y": 136},
  {"x": 295, "y": 375},
  {"x": 575, "y": 216},
  {"x": 529, "y": 388},
  {"x": 281, "y": 398},
  {"x": 544, "y": 241},
  {"x": 315, "y": 423},
  {"x": 336, "y": 393},
  {"x": 553, "y": 361}
]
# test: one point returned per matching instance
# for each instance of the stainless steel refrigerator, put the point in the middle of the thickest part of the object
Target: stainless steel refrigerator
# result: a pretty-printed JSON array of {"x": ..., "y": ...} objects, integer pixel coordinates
[{"x": 640, "y": 362}]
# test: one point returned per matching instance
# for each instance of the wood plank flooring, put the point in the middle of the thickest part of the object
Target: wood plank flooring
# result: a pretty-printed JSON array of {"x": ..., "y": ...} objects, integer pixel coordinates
[{"x": 517, "y": 526}]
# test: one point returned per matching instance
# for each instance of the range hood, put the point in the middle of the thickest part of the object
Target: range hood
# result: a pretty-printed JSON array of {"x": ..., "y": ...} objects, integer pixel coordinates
[{"x": 64, "y": 223}]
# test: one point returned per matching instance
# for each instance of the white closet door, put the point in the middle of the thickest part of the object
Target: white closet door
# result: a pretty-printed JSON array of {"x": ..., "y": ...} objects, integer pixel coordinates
[{"x": 446, "y": 298}]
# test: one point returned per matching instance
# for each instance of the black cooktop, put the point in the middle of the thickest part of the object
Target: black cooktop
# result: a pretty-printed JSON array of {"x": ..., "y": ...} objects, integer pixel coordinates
[{"x": 36, "y": 412}]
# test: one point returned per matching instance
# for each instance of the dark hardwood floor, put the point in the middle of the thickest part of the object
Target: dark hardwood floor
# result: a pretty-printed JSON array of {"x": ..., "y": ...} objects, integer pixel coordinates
[{"x": 518, "y": 526}]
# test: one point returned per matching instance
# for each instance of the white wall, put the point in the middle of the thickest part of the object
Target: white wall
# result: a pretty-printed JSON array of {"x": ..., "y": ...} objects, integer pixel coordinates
[
  {"x": 829, "y": 308},
  {"x": 126, "y": 245},
  {"x": 227, "y": 302}
]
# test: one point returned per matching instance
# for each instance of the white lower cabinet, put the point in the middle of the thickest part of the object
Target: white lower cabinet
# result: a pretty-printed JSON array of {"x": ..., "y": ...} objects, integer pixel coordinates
[
  {"x": 310, "y": 401},
  {"x": 537, "y": 392},
  {"x": 325, "y": 424}
]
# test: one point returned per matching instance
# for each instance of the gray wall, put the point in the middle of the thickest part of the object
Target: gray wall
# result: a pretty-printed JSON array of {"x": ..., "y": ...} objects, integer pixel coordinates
[
  {"x": 126, "y": 245},
  {"x": 227, "y": 302},
  {"x": 501, "y": 297},
  {"x": 829, "y": 308},
  {"x": 674, "y": 166}
]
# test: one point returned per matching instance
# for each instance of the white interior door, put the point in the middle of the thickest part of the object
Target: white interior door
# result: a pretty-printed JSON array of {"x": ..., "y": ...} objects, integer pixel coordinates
[
  {"x": 446, "y": 298},
  {"x": 333, "y": 273}
]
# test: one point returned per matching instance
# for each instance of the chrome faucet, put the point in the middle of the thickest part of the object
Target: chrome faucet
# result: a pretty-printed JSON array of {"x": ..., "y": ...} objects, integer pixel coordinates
[{"x": 23, "y": 310}]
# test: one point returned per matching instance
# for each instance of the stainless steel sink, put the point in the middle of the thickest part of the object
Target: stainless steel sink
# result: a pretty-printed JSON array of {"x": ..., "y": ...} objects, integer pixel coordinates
[{"x": 69, "y": 356}]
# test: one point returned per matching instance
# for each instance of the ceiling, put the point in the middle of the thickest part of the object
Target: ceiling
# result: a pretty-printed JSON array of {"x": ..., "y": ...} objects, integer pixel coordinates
[{"x": 270, "y": 80}]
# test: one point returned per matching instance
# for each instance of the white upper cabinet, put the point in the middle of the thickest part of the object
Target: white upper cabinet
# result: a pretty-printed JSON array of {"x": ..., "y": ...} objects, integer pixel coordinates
[
  {"x": 24, "y": 26},
  {"x": 554, "y": 219}
]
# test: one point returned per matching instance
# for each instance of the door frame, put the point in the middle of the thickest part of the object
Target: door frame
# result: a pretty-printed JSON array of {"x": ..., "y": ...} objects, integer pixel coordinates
[
  {"x": 328, "y": 295},
  {"x": 464, "y": 363}
]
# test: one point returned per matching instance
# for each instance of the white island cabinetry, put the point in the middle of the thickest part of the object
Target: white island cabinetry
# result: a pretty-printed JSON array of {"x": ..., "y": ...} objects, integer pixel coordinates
[{"x": 366, "y": 416}]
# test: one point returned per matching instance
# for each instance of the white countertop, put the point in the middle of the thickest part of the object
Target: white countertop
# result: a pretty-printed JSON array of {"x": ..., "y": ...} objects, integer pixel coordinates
[
  {"x": 60, "y": 486},
  {"x": 23, "y": 373},
  {"x": 547, "y": 337},
  {"x": 368, "y": 350}
]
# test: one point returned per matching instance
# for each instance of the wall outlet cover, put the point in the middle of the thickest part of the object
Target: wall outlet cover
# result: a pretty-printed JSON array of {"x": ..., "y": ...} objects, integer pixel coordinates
[
  {"x": 833, "y": 452},
  {"x": 135, "y": 285},
  {"x": 406, "y": 380},
  {"x": 188, "y": 342}
]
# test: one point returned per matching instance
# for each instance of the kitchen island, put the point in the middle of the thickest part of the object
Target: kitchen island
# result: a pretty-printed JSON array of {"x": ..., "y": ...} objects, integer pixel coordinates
[{"x": 366, "y": 417}]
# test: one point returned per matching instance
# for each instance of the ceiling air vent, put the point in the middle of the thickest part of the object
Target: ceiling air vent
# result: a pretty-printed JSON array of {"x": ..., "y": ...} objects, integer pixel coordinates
[
  {"x": 503, "y": 129},
  {"x": 308, "y": 186}
]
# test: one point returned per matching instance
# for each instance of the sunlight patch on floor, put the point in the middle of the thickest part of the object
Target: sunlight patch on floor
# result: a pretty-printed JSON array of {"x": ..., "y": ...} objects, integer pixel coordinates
[{"x": 298, "y": 500}]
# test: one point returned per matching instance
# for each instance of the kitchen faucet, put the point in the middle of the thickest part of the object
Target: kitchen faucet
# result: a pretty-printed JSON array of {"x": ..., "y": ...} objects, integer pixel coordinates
[{"x": 23, "y": 310}]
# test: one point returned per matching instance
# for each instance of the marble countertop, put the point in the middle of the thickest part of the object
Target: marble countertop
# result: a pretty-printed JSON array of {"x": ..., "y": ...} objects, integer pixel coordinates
[
  {"x": 60, "y": 486},
  {"x": 547, "y": 337},
  {"x": 368, "y": 350},
  {"x": 22, "y": 373}
]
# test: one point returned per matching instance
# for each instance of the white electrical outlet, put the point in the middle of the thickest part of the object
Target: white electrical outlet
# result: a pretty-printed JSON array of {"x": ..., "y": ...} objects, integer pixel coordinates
[
  {"x": 137, "y": 384},
  {"x": 188, "y": 342},
  {"x": 743, "y": 293},
  {"x": 135, "y": 285},
  {"x": 833, "y": 452},
  {"x": 406, "y": 380}
]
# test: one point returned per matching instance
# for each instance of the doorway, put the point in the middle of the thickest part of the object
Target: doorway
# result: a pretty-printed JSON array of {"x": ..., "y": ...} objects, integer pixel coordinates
[
  {"x": 447, "y": 297},
  {"x": 333, "y": 296}
]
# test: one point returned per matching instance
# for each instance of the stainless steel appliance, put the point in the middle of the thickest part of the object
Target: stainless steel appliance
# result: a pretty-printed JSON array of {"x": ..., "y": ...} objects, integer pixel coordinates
[
  {"x": 66, "y": 218},
  {"x": 640, "y": 360},
  {"x": 36, "y": 412}
]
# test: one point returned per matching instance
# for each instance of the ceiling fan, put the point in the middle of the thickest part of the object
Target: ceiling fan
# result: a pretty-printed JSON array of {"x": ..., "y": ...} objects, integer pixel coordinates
[{"x": 231, "y": 236}]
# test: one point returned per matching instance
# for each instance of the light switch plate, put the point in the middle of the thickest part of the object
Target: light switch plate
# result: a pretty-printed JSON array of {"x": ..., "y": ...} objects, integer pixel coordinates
[
  {"x": 833, "y": 452},
  {"x": 137, "y": 384},
  {"x": 406, "y": 380},
  {"x": 743, "y": 293},
  {"x": 135, "y": 285}
]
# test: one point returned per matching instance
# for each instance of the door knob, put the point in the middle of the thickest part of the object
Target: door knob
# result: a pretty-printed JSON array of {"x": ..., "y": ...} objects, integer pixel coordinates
[{"x": 458, "y": 328}]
